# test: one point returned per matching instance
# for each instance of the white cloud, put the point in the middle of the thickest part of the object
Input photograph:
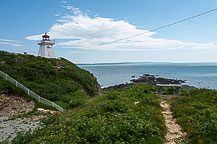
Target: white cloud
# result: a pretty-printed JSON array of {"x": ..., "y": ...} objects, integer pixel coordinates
[
  {"x": 63, "y": 2},
  {"x": 9, "y": 42},
  {"x": 84, "y": 32},
  {"x": 77, "y": 52}
]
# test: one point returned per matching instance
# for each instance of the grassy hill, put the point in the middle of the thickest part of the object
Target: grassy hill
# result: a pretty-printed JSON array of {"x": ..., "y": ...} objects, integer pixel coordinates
[
  {"x": 110, "y": 118},
  {"x": 58, "y": 80}
]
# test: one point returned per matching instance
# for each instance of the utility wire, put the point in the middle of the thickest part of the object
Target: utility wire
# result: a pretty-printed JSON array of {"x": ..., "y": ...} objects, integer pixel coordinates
[{"x": 156, "y": 29}]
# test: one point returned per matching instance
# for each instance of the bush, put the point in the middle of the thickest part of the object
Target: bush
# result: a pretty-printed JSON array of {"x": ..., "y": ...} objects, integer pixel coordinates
[
  {"x": 112, "y": 95},
  {"x": 77, "y": 98},
  {"x": 197, "y": 114},
  {"x": 114, "y": 106},
  {"x": 169, "y": 91}
]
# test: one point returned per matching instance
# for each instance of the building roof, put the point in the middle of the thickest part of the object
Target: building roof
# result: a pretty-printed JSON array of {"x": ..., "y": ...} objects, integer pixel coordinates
[{"x": 45, "y": 36}]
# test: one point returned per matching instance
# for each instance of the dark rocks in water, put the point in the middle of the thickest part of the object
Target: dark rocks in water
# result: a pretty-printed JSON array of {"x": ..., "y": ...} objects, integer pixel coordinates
[
  {"x": 120, "y": 86},
  {"x": 154, "y": 80},
  {"x": 146, "y": 79}
]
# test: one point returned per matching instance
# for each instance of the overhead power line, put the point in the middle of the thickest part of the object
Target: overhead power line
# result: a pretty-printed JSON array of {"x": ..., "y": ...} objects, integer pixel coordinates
[{"x": 159, "y": 28}]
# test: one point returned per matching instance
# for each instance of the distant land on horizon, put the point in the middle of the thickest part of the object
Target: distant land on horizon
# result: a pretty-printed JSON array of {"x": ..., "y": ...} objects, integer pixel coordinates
[
  {"x": 115, "y": 63},
  {"x": 152, "y": 63}
]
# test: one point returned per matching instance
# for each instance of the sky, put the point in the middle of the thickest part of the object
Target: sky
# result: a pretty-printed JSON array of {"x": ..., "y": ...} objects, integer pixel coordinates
[{"x": 82, "y": 29}]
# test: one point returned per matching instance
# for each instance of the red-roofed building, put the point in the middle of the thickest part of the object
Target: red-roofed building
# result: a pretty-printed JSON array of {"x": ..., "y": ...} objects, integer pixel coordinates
[{"x": 46, "y": 47}]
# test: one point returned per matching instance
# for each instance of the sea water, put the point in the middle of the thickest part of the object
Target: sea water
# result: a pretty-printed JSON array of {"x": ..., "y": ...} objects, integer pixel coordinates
[{"x": 198, "y": 76}]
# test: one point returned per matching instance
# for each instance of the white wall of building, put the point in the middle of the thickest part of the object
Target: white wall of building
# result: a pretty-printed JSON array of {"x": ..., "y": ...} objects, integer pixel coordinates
[{"x": 46, "y": 49}]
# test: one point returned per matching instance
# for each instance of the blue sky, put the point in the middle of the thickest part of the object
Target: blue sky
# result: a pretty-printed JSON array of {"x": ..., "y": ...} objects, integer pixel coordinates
[{"x": 80, "y": 26}]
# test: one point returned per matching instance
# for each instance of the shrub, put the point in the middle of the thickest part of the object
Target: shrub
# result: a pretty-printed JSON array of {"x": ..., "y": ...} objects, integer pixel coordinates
[
  {"x": 169, "y": 91},
  {"x": 197, "y": 114},
  {"x": 77, "y": 98},
  {"x": 112, "y": 95}
]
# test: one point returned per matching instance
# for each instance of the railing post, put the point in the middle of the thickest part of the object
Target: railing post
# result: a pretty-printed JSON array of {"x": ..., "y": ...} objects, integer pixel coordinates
[
  {"x": 16, "y": 83},
  {"x": 6, "y": 77},
  {"x": 178, "y": 91},
  {"x": 39, "y": 98},
  {"x": 159, "y": 90},
  {"x": 28, "y": 92}
]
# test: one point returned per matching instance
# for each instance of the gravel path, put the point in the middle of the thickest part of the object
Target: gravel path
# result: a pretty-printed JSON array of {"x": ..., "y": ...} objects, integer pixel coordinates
[
  {"x": 174, "y": 134},
  {"x": 9, "y": 128}
]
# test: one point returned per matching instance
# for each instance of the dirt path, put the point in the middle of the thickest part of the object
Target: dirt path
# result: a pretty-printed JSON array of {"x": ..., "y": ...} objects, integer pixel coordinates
[
  {"x": 174, "y": 134},
  {"x": 13, "y": 104}
]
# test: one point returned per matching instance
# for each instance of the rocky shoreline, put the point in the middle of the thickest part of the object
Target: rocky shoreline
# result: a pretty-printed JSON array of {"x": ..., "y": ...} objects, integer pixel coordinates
[{"x": 146, "y": 79}]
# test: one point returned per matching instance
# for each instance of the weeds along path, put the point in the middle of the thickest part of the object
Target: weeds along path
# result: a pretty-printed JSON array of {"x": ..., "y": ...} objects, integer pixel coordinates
[{"x": 174, "y": 134}]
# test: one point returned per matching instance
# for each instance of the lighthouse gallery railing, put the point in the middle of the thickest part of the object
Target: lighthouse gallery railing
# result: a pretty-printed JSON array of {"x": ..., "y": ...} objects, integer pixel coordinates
[{"x": 30, "y": 93}]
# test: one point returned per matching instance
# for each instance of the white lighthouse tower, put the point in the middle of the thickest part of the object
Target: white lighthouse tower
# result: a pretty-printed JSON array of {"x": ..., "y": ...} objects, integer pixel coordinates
[{"x": 46, "y": 47}]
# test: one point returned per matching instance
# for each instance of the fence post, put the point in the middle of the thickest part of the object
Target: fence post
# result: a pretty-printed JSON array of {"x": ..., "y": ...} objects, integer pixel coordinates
[
  {"x": 39, "y": 98},
  {"x": 16, "y": 83},
  {"x": 28, "y": 92},
  {"x": 6, "y": 77}
]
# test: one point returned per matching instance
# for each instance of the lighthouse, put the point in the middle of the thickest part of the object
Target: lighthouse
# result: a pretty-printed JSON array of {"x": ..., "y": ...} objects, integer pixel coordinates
[{"x": 46, "y": 47}]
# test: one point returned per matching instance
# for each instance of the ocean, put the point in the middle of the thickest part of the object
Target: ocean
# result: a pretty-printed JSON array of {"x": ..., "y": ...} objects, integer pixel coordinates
[{"x": 198, "y": 75}]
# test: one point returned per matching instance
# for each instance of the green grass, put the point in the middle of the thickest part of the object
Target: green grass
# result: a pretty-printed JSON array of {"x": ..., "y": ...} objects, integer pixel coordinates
[
  {"x": 8, "y": 87},
  {"x": 53, "y": 79},
  {"x": 196, "y": 112},
  {"x": 111, "y": 118}
]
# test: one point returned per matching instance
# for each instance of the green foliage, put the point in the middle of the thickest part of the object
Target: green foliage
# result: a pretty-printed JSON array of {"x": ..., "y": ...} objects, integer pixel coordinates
[
  {"x": 54, "y": 79},
  {"x": 75, "y": 99},
  {"x": 184, "y": 92},
  {"x": 7, "y": 86},
  {"x": 112, "y": 95},
  {"x": 111, "y": 118},
  {"x": 48, "y": 121},
  {"x": 169, "y": 91},
  {"x": 196, "y": 112},
  {"x": 114, "y": 106},
  {"x": 22, "y": 139}
]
